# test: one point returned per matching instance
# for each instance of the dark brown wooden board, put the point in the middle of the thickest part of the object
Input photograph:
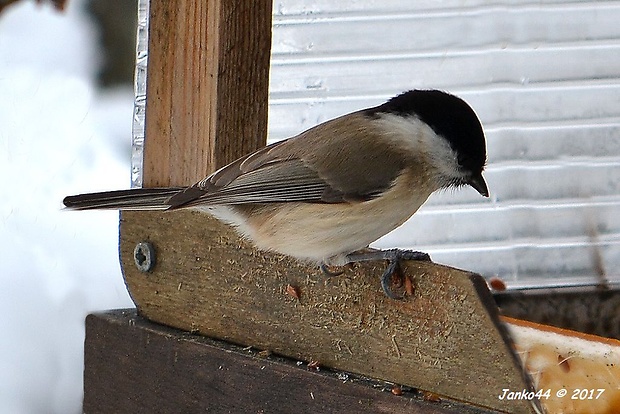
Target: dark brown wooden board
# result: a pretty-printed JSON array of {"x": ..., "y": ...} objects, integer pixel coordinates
[
  {"x": 446, "y": 338},
  {"x": 135, "y": 366}
]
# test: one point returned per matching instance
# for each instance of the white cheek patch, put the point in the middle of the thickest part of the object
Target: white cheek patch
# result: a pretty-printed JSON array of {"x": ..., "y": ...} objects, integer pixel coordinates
[{"x": 415, "y": 136}]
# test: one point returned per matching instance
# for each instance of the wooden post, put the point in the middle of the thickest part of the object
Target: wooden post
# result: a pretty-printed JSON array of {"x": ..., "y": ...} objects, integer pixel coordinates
[
  {"x": 207, "y": 86},
  {"x": 207, "y": 91}
]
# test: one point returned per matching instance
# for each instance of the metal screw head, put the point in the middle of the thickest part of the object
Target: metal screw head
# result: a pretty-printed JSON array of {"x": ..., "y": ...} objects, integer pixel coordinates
[{"x": 144, "y": 256}]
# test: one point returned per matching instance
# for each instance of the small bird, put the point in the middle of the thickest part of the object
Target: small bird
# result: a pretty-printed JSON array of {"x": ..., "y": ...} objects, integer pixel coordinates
[{"x": 324, "y": 195}]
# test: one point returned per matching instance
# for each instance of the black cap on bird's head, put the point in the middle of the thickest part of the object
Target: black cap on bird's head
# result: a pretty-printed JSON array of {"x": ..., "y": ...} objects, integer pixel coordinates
[{"x": 452, "y": 118}]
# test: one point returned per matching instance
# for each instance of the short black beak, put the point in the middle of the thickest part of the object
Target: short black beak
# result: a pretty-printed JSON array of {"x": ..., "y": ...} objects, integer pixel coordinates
[{"x": 477, "y": 181}]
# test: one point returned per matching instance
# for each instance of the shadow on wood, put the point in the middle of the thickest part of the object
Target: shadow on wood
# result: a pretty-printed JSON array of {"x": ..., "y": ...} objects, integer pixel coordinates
[{"x": 445, "y": 338}]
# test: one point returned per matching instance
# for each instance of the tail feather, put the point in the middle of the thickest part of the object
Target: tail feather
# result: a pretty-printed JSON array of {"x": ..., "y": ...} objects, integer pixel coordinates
[{"x": 134, "y": 199}]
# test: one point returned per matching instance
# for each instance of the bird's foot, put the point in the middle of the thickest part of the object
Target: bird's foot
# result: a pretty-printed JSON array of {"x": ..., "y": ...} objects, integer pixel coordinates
[
  {"x": 393, "y": 270},
  {"x": 329, "y": 272}
]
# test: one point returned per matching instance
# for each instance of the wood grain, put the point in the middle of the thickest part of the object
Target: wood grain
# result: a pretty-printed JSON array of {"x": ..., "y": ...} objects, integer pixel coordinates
[
  {"x": 445, "y": 338},
  {"x": 207, "y": 87},
  {"x": 135, "y": 366}
]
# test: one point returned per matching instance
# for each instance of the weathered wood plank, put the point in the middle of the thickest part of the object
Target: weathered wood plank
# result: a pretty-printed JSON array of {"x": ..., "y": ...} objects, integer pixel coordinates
[
  {"x": 207, "y": 88},
  {"x": 135, "y": 366},
  {"x": 445, "y": 338}
]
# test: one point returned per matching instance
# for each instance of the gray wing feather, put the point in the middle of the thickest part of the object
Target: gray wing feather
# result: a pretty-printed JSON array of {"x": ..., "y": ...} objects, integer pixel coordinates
[
  {"x": 304, "y": 169},
  {"x": 283, "y": 181}
]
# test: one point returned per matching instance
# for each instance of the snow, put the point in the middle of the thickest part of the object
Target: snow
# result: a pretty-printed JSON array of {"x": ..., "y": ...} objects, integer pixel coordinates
[{"x": 59, "y": 135}]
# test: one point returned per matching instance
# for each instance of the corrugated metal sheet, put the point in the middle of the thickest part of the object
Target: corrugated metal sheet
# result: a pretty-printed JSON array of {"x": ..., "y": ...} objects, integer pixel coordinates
[{"x": 544, "y": 78}]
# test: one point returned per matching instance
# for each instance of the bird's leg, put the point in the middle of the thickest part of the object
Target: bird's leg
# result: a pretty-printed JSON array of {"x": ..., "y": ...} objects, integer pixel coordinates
[{"x": 394, "y": 257}]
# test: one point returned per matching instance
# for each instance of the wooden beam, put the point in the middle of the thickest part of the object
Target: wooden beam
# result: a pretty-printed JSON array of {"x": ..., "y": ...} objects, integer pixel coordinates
[
  {"x": 446, "y": 338},
  {"x": 207, "y": 86},
  {"x": 135, "y": 366}
]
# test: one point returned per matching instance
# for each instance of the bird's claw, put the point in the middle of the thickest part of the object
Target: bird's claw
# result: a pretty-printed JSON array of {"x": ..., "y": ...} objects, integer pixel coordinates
[
  {"x": 331, "y": 273},
  {"x": 394, "y": 257}
]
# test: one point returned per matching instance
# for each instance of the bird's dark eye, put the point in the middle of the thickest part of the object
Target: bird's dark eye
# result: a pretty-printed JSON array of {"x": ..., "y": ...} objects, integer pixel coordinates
[{"x": 464, "y": 161}]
